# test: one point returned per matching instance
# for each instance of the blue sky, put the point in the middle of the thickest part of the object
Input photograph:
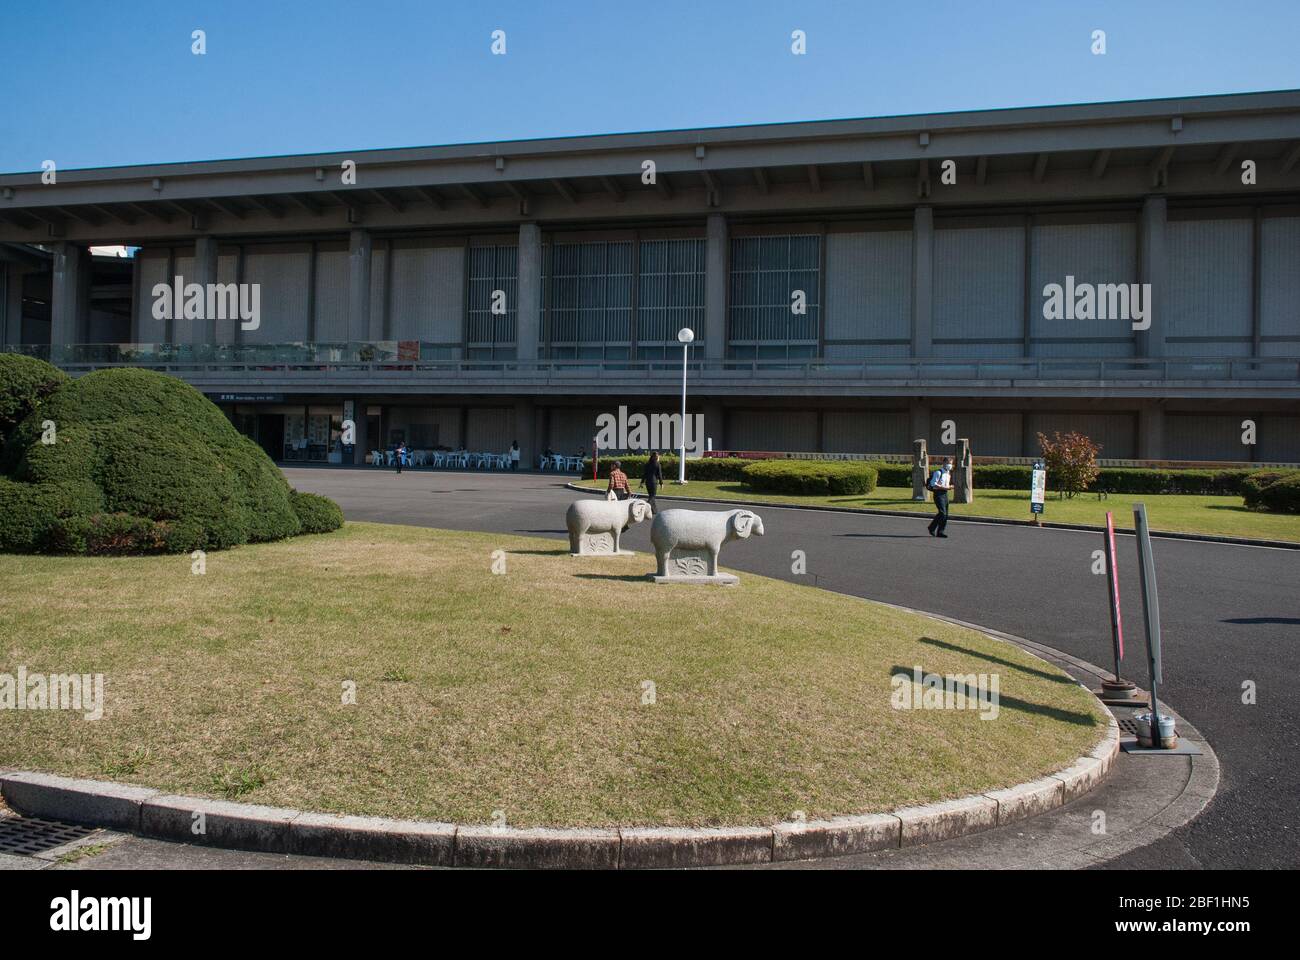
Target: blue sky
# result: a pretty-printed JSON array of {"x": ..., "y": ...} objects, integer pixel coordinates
[{"x": 101, "y": 83}]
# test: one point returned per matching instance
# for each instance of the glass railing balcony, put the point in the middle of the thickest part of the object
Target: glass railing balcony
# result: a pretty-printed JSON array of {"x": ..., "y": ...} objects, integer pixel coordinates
[{"x": 387, "y": 359}]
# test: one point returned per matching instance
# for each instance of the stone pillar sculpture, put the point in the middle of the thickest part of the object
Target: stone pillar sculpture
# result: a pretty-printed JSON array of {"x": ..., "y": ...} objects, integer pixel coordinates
[
  {"x": 920, "y": 470},
  {"x": 963, "y": 474}
]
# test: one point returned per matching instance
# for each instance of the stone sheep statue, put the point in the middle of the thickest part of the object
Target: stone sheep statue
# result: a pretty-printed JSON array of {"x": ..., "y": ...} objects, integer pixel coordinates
[
  {"x": 595, "y": 526},
  {"x": 687, "y": 542}
]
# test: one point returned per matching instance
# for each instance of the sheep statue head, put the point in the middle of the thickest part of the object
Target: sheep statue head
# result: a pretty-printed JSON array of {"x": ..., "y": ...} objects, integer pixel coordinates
[{"x": 743, "y": 524}]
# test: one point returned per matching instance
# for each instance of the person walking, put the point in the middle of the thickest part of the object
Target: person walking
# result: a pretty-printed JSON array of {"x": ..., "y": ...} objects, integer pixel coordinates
[
  {"x": 399, "y": 455},
  {"x": 652, "y": 479},
  {"x": 939, "y": 484},
  {"x": 618, "y": 481},
  {"x": 514, "y": 455}
]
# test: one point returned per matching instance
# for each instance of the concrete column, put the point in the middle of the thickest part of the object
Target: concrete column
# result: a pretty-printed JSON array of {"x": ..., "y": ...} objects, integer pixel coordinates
[
  {"x": 11, "y": 303},
  {"x": 923, "y": 282},
  {"x": 525, "y": 434},
  {"x": 360, "y": 249},
  {"x": 716, "y": 267},
  {"x": 70, "y": 296},
  {"x": 1151, "y": 239},
  {"x": 205, "y": 272},
  {"x": 362, "y": 446},
  {"x": 715, "y": 426},
  {"x": 920, "y": 417},
  {"x": 528, "y": 321},
  {"x": 1151, "y": 432}
]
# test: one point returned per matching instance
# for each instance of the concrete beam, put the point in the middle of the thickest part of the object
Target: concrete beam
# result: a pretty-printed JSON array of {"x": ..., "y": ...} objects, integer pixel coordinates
[{"x": 565, "y": 189}]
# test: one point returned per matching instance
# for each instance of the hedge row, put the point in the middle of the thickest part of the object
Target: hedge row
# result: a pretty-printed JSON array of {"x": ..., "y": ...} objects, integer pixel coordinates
[
  {"x": 1111, "y": 479},
  {"x": 720, "y": 469},
  {"x": 811, "y": 477},
  {"x": 987, "y": 476}
]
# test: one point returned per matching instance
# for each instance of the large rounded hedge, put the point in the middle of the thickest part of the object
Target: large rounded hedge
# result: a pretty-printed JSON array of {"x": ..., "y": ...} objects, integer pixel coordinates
[
  {"x": 140, "y": 462},
  {"x": 811, "y": 477}
]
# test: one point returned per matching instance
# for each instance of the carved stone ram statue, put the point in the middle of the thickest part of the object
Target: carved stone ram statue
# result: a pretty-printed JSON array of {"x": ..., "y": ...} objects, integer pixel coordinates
[
  {"x": 595, "y": 526},
  {"x": 687, "y": 542}
]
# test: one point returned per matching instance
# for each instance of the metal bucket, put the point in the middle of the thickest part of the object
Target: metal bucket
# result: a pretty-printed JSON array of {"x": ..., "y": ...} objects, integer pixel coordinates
[{"x": 1168, "y": 735}]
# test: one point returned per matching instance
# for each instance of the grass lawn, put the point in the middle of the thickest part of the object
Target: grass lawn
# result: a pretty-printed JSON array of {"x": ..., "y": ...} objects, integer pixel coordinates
[
  {"x": 520, "y": 692},
  {"x": 1218, "y": 516}
]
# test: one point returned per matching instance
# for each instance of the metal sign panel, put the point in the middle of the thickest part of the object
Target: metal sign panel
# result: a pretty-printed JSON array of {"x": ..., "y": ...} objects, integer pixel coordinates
[{"x": 1038, "y": 487}]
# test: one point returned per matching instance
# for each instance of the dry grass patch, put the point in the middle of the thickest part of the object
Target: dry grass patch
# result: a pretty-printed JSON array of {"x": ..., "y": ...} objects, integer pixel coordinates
[{"x": 520, "y": 692}]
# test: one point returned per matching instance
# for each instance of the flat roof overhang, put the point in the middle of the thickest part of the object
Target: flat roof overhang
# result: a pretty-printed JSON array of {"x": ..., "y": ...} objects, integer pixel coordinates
[{"x": 1181, "y": 147}]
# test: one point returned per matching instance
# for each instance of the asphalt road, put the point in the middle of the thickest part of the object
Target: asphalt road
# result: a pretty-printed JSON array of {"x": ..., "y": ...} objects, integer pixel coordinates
[{"x": 1231, "y": 614}]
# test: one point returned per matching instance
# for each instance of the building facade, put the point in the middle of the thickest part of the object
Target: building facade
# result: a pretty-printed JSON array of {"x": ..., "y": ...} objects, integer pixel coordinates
[{"x": 852, "y": 285}]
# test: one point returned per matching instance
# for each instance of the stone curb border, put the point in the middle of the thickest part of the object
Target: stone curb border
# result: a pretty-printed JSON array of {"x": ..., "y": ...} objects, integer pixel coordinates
[
  {"x": 222, "y": 823},
  {"x": 954, "y": 518},
  {"x": 244, "y": 826}
]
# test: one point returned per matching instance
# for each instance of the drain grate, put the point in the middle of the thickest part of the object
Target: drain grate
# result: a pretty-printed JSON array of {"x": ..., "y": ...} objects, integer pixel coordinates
[
  {"x": 24, "y": 837},
  {"x": 1129, "y": 725}
]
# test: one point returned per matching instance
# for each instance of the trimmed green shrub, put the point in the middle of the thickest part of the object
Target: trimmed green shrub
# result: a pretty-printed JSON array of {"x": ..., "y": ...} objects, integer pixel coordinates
[
  {"x": 24, "y": 383},
  {"x": 997, "y": 476},
  {"x": 109, "y": 534},
  {"x": 720, "y": 469},
  {"x": 1282, "y": 495},
  {"x": 316, "y": 514},
  {"x": 154, "y": 471},
  {"x": 1254, "y": 486},
  {"x": 154, "y": 454},
  {"x": 812, "y": 477},
  {"x": 29, "y": 511}
]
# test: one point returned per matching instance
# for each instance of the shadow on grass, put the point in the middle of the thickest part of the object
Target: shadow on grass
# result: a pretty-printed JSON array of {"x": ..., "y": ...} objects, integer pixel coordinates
[
  {"x": 561, "y": 532},
  {"x": 625, "y": 577},
  {"x": 975, "y": 695},
  {"x": 958, "y": 648},
  {"x": 562, "y": 552}
]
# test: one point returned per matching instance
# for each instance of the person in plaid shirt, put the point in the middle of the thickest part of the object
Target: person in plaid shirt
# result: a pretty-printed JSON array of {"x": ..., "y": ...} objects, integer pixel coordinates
[{"x": 618, "y": 481}]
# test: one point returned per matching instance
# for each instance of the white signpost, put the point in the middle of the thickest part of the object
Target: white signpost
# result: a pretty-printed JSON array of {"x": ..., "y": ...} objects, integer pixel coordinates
[{"x": 1038, "y": 491}]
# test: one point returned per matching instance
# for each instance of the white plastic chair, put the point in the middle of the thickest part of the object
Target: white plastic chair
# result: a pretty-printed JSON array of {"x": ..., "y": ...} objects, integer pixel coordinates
[{"x": 376, "y": 458}]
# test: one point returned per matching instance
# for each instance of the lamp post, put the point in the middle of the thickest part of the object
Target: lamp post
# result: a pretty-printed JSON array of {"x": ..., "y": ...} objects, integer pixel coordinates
[{"x": 684, "y": 336}]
